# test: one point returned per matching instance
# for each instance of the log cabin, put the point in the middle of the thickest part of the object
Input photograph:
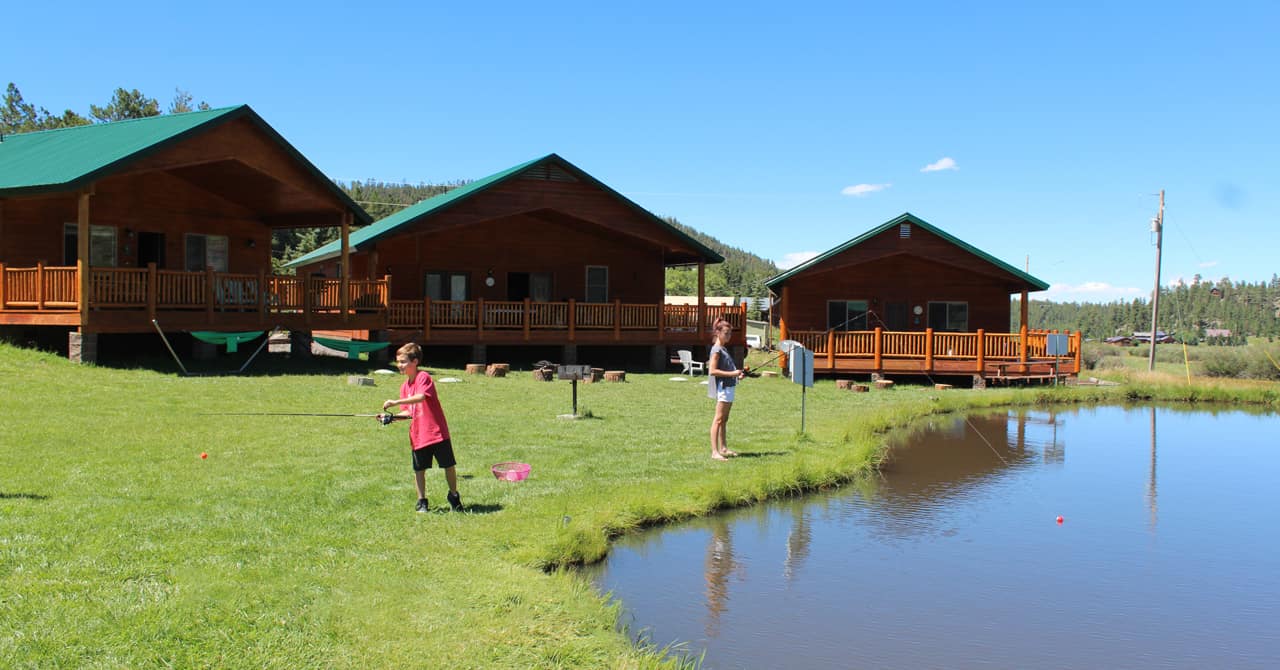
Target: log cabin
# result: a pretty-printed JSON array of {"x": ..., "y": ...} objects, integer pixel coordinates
[
  {"x": 540, "y": 256},
  {"x": 120, "y": 227},
  {"x": 908, "y": 299}
]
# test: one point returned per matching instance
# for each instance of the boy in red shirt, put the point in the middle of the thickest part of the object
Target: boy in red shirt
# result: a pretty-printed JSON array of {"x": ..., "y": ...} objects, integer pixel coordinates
[{"x": 428, "y": 431}]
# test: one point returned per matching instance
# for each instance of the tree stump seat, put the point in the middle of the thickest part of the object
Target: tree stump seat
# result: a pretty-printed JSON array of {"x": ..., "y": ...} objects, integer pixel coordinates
[
  {"x": 884, "y": 383},
  {"x": 861, "y": 388},
  {"x": 942, "y": 387},
  {"x": 615, "y": 376},
  {"x": 597, "y": 374},
  {"x": 497, "y": 369},
  {"x": 844, "y": 384},
  {"x": 544, "y": 374},
  {"x": 475, "y": 368}
]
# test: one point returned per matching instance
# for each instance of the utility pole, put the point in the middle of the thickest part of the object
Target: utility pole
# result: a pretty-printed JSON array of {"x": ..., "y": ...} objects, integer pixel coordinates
[{"x": 1157, "y": 227}]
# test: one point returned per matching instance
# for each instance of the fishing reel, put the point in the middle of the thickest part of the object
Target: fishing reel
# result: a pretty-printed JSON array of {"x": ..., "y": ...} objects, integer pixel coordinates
[{"x": 386, "y": 418}]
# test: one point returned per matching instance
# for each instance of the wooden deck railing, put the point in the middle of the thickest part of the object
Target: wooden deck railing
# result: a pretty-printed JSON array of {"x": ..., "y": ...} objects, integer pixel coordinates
[
  {"x": 57, "y": 289},
  {"x": 571, "y": 316},
  {"x": 43, "y": 288},
  {"x": 930, "y": 347}
]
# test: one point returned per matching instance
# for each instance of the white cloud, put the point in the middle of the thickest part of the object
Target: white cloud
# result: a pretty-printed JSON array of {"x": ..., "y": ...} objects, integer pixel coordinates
[
  {"x": 795, "y": 258},
  {"x": 859, "y": 190},
  {"x": 941, "y": 164},
  {"x": 1208, "y": 264},
  {"x": 1092, "y": 291}
]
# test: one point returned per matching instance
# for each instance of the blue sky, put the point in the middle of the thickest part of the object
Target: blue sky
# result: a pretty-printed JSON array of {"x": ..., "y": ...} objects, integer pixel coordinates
[{"x": 1037, "y": 132}]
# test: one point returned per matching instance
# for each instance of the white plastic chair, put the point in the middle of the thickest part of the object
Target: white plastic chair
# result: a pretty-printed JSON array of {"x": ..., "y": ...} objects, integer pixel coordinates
[{"x": 689, "y": 365}]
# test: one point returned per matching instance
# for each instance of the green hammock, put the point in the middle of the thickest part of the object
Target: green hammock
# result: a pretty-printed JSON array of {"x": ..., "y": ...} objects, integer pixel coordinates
[
  {"x": 352, "y": 347},
  {"x": 232, "y": 340}
]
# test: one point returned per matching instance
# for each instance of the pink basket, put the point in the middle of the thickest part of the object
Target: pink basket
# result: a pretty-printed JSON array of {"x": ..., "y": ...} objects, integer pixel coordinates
[{"x": 511, "y": 471}]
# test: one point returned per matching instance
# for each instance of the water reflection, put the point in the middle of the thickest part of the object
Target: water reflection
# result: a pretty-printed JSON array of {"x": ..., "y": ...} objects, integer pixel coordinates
[
  {"x": 719, "y": 565},
  {"x": 951, "y": 557}
]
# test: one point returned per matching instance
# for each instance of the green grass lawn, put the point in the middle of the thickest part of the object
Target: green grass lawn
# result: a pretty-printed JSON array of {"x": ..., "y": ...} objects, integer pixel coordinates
[{"x": 295, "y": 543}]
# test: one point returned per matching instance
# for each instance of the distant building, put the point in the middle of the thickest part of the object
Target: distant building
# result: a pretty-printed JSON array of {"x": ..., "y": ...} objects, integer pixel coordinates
[{"x": 1217, "y": 332}]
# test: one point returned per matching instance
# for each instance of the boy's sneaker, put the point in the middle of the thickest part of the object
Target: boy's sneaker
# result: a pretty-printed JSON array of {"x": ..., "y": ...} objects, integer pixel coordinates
[
  {"x": 455, "y": 501},
  {"x": 422, "y": 505}
]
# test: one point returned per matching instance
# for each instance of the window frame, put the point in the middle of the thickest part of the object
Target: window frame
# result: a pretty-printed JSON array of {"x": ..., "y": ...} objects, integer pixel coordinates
[
  {"x": 96, "y": 232},
  {"x": 209, "y": 258},
  {"x": 587, "y": 285},
  {"x": 846, "y": 321},
  {"x": 948, "y": 316}
]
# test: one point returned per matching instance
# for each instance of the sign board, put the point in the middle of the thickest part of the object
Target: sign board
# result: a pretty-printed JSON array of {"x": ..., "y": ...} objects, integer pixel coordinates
[
  {"x": 574, "y": 372},
  {"x": 1057, "y": 345},
  {"x": 800, "y": 365}
]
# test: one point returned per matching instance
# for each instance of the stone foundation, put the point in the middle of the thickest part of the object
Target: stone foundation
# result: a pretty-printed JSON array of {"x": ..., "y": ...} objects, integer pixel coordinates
[{"x": 82, "y": 347}]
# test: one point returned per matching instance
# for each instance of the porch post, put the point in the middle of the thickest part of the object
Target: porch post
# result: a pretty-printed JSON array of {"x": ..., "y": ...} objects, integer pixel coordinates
[
  {"x": 40, "y": 285},
  {"x": 617, "y": 319},
  {"x": 426, "y": 318},
  {"x": 831, "y": 349},
  {"x": 262, "y": 297},
  {"x": 82, "y": 253},
  {"x": 982, "y": 350},
  {"x": 527, "y": 313},
  {"x": 662, "y": 319},
  {"x": 152, "y": 289},
  {"x": 1079, "y": 338},
  {"x": 1022, "y": 303},
  {"x": 209, "y": 286},
  {"x": 702, "y": 297},
  {"x": 928, "y": 350},
  {"x": 782, "y": 324},
  {"x": 345, "y": 302},
  {"x": 1022, "y": 347},
  {"x": 878, "y": 349},
  {"x": 573, "y": 318}
]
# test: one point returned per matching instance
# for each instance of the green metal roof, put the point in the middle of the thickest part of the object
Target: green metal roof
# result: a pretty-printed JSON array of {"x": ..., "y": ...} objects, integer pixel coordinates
[
  {"x": 364, "y": 237},
  {"x": 892, "y": 223},
  {"x": 70, "y": 158}
]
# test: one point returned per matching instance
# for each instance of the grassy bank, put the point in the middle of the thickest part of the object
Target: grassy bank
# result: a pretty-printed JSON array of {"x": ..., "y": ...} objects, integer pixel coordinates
[{"x": 295, "y": 544}]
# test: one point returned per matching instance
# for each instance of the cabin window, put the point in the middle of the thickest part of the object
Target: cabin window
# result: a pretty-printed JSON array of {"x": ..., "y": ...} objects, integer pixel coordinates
[
  {"x": 949, "y": 316},
  {"x": 206, "y": 251},
  {"x": 847, "y": 314},
  {"x": 533, "y": 285},
  {"x": 454, "y": 286},
  {"x": 597, "y": 283},
  {"x": 102, "y": 245}
]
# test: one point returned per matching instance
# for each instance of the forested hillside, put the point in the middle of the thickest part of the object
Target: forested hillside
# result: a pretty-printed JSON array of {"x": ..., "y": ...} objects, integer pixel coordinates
[
  {"x": 742, "y": 274},
  {"x": 380, "y": 199},
  {"x": 1247, "y": 309}
]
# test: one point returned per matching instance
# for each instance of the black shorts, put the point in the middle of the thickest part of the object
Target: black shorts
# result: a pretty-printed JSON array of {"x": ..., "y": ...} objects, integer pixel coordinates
[{"x": 441, "y": 451}]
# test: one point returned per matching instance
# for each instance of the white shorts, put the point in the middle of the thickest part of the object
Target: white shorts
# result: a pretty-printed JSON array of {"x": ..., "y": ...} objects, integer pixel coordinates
[{"x": 725, "y": 394}]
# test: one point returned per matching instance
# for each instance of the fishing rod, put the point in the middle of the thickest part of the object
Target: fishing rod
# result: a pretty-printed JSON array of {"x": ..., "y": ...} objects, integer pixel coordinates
[
  {"x": 784, "y": 350},
  {"x": 383, "y": 417}
]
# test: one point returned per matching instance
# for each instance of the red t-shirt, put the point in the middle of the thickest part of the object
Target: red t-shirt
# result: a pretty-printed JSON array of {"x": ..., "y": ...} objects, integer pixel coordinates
[{"x": 427, "y": 426}]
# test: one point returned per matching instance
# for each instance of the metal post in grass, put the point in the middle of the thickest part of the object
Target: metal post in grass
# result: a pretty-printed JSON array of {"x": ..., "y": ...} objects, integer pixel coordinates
[
  {"x": 573, "y": 373},
  {"x": 800, "y": 364}
]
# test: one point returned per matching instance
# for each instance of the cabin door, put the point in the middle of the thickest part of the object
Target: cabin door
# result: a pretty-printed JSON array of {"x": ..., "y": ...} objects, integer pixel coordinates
[
  {"x": 151, "y": 249},
  {"x": 895, "y": 316}
]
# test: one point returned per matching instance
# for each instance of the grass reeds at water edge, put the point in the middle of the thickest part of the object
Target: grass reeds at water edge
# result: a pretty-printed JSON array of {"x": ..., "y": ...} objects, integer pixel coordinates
[{"x": 295, "y": 544}]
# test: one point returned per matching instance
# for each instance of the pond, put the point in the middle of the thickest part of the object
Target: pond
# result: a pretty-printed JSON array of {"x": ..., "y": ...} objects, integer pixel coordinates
[{"x": 954, "y": 557}]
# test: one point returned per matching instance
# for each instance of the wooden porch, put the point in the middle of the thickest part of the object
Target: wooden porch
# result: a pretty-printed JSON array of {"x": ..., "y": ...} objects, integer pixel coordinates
[
  {"x": 568, "y": 322},
  {"x": 996, "y": 357},
  {"x": 123, "y": 300}
]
